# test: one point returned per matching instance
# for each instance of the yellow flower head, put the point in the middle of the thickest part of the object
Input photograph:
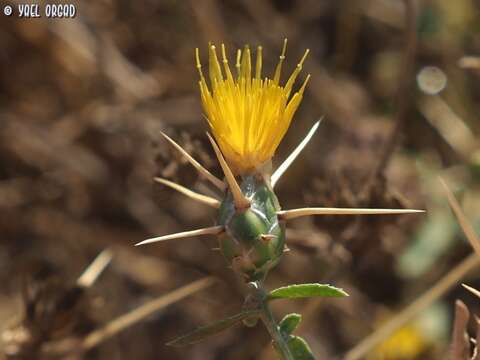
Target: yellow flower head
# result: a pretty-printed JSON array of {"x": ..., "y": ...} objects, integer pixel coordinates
[
  {"x": 406, "y": 343},
  {"x": 248, "y": 115}
]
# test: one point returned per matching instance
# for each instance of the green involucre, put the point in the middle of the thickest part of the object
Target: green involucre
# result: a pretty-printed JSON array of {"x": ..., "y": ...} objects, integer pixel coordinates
[{"x": 254, "y": 239}]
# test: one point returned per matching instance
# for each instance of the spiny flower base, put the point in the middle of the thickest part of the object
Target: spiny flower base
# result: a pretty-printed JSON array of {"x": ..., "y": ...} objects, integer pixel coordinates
[{"x": 254, "y": 238}]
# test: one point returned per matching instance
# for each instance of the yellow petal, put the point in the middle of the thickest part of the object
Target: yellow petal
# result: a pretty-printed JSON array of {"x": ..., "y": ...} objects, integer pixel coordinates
[{"x": 248, "y": 115}]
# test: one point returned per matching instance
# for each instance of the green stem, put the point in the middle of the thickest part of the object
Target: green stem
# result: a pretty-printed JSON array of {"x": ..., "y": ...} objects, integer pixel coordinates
[{"x": 269, "y": 321}]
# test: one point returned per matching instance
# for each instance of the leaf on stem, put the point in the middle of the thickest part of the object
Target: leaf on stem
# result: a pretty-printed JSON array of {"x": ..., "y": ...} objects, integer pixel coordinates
[
  {"x": 306, "y": 290},
  {"x": 300, "y": 349},
  {"x": 289, "y": 323}
]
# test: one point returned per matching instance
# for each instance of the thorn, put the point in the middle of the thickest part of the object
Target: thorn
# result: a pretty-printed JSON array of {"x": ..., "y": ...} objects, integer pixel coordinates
[
  {"x": 472, "y": 290},
  {"x": 207, "y": 174},
  {"x": 292, "y": 214},
  {"x": 95, "y": 269},
  {"x": 190, "y": 193},
  {"x": 216, "y": 249},
  {"x": 293, "y": 155},
  {"x": 267, "y": 237},
  {"x": 241, "y": 202},
  {"x": 214, "y": 230}
]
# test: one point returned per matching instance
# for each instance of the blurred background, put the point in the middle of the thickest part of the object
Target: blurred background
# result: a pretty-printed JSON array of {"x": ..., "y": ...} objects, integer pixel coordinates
[{"x": 82, "y": 105}]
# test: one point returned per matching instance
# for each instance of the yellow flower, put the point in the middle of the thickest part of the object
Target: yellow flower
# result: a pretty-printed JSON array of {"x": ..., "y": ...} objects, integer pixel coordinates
[
  {"x": 406, "y": 343},
  {"x": 248, "y": 115}
]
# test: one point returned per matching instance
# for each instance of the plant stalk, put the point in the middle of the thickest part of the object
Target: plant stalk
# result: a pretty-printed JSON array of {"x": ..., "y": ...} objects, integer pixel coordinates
[{"x": 279, "y": 342}]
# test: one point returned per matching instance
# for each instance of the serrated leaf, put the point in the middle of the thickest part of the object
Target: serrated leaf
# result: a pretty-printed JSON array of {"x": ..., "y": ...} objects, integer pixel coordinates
[
  {"x": 300, "y": 349},
  {"x": 214, "y": 328},
  {"x": 306, "y": 290},
  {"x": 289, "y": 323}
]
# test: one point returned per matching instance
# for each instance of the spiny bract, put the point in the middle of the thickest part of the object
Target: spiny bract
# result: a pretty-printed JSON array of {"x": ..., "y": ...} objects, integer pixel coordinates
[{"x": 254, "y": 238}]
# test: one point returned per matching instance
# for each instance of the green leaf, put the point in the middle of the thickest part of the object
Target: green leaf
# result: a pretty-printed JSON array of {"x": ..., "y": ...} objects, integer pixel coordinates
[
  {"x": 289, "y": 323},
  {"x": 306, "y": 290},
  {"x": 212, "y": 329},
  {"x": 300, "y": 349}
]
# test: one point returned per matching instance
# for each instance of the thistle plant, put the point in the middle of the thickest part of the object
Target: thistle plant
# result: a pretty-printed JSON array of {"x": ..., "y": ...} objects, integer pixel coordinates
[{"x": 249, "y": 115}]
